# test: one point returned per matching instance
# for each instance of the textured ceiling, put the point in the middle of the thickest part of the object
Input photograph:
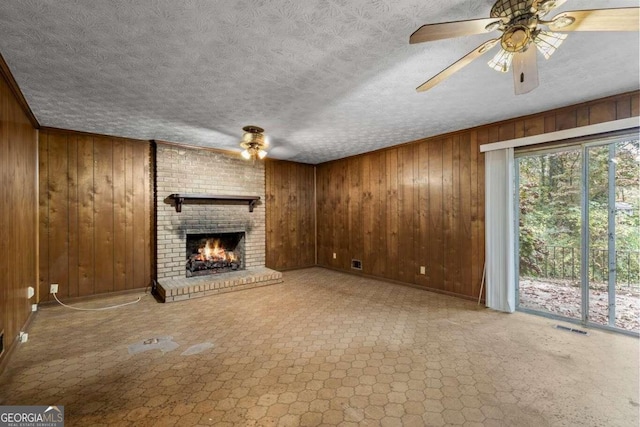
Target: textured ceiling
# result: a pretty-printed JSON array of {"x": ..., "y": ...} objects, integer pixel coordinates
[{"x": 325, "y": 78}]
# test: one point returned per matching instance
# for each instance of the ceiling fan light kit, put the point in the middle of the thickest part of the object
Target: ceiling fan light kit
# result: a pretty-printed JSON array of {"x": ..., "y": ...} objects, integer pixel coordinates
[
  {"x": 547, "y": 42},
  {"x": 502, "y": 61},
  {"x": 521, "y": 24},
  {"x": 254, "y": 143}
]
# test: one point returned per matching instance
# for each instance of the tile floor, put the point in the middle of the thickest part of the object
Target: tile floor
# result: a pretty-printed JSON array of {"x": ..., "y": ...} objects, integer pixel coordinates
[{"x": 322, "y": 348}]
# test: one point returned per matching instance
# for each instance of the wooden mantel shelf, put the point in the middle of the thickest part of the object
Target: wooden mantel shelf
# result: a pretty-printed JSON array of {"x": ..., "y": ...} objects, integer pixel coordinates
[{"x": 180, "y": 198}]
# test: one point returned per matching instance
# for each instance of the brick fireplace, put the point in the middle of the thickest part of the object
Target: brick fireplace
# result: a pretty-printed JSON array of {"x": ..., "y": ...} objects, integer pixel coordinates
[{"x": 194, "y": 171}]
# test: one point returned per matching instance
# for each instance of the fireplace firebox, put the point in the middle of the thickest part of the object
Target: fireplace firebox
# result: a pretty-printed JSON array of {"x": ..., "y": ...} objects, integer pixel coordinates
[{"x": 214, "y": 253}]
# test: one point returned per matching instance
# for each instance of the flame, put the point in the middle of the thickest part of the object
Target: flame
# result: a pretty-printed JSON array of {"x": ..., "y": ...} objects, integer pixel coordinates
[{"x": 214, "y": 251}]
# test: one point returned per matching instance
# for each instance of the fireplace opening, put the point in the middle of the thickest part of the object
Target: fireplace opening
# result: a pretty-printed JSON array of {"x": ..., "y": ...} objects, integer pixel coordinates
[{"x": 214, "y": 253}]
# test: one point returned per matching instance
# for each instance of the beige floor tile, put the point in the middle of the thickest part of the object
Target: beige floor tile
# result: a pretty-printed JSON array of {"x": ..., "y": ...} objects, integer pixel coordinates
[{"x": 322, "y": 348}]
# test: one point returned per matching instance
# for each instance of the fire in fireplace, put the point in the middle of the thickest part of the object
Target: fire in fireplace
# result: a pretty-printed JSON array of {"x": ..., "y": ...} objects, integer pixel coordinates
[{"x": 214, "y": 253}]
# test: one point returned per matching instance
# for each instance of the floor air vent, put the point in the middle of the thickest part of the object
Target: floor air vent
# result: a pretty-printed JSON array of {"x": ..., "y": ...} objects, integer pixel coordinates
[
  {"x": 577, "y": 331},
  {"x": 356, "y": 264}
]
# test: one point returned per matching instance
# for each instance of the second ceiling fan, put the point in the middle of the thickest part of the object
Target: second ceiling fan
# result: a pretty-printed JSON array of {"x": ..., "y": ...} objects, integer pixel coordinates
[{"x": 522, "y": 25}]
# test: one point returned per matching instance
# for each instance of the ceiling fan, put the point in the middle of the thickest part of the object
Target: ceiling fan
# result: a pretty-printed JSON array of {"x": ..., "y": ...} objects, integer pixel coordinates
[
  {"x": 522, "y": 25},
  {"x": 255, "y": 145}
]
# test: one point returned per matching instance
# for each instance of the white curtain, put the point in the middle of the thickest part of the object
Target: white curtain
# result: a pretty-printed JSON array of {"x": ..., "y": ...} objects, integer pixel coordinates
[{"x": 500, "y": 230}]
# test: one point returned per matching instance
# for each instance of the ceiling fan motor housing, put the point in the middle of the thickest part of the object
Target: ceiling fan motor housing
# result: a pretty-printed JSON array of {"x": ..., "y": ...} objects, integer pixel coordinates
[
  {"x": 516, "y": 38},
  {"x": 521, "y": 27},
  {"x": 253, "y": 137},
  {"x": 511, "y": 9}
]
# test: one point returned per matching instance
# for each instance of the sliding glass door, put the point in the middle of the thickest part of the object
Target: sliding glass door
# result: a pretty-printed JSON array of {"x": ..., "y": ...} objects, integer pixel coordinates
[
  {"x": 578, "y": 225},
  {"x": 549, "y": 217}
]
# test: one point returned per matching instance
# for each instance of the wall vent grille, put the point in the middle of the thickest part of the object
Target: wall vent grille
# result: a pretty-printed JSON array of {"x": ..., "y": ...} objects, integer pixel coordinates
[
  {"x": 356, "y": 264},
  {"x": 577, "y": 331}
]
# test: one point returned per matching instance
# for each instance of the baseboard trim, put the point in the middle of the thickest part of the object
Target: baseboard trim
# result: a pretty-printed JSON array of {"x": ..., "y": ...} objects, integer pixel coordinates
[
  {"x": 294, "y": 268},
  {"x": 397, "y": 282}
]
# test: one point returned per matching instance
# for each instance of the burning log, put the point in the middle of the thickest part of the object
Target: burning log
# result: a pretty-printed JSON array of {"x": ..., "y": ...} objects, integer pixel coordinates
[{"x": 194, "y": 265}]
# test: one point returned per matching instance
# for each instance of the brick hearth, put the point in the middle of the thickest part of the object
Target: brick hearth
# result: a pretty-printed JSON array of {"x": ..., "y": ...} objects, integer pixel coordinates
[{"x": 178, "y": 289}]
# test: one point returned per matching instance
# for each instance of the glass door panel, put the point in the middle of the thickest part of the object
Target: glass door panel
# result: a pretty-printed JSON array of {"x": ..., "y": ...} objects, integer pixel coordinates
[
  {"x": 614, "y": 234},
  {"x": 549, "y": 238}
]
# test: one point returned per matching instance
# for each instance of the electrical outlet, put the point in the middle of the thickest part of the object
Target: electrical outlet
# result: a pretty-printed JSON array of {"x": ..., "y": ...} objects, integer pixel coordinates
[
  {"x": 23, "y": 337},
  {"x": 34, "y": 307},
  {"x": 54, "y": 288},
  {"x": 30, "y": 292},
  {"x": 423, "y": 269},
  {"x": 334, "y": 255}
]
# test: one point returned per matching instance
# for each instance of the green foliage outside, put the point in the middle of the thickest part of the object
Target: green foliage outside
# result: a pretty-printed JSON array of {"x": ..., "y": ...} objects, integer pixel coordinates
[{"x": 550, "y": 213}]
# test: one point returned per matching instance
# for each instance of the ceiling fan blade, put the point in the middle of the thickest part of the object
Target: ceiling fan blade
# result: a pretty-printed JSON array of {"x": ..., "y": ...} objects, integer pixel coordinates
[
  {"x": 458, "y": 65},
  {"x": 525, "y": 70},
  {"x": 620, "y": 19},
  {"x": 447, "y": 30}
]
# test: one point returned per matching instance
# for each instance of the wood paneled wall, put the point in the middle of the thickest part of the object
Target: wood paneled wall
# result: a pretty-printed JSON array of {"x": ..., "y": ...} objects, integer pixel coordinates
[
  {"x": 422, "y": 203},
  {"x": 399, "y": 209},
  {"x": 18, "y": 210},
  {"x": 290, "y": 211},
  {"x": 95, "y": 213}
]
